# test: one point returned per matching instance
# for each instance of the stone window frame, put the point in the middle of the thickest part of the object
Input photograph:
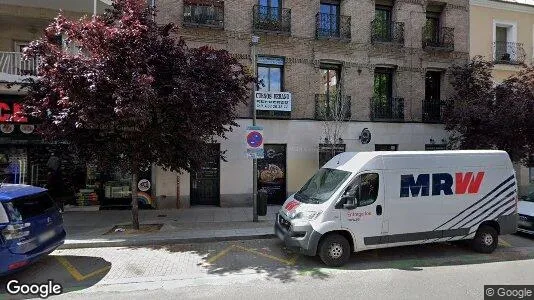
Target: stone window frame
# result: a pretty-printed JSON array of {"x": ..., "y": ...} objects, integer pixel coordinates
[{"x": 511, "y": 36}]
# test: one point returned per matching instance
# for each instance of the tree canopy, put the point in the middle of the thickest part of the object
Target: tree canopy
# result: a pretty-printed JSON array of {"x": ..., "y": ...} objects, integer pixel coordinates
[
  {"x": 126, "y": 92},
  {"x": 482, "y": 114}
]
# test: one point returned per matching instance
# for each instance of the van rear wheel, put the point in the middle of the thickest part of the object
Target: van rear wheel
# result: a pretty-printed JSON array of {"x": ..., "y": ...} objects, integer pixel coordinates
[
  {"x": 486, "y": 239},
  {"x": 334, "y": 250}
]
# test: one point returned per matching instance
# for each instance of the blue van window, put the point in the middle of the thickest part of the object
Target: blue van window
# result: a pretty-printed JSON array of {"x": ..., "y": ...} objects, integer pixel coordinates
[{"x": 23, "y": 208}]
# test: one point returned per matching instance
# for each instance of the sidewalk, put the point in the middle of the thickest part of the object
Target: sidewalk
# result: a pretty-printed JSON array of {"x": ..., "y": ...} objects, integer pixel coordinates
[{"x": 198, "y": 224}]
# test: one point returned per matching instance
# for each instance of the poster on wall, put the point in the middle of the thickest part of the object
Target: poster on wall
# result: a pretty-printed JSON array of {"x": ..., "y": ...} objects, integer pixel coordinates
[{"x": 272, "y": 173}]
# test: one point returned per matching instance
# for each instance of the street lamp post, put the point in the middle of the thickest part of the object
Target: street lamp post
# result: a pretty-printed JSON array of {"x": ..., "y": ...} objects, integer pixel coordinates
[{"x": 254, "y": 42}]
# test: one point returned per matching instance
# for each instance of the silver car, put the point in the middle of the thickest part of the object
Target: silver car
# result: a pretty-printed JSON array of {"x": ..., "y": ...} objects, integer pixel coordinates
[{"x": 526, "y": 214}]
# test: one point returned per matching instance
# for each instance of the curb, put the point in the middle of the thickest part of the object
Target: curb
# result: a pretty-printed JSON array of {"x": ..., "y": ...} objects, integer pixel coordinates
[{"x": 161, "y": 241}]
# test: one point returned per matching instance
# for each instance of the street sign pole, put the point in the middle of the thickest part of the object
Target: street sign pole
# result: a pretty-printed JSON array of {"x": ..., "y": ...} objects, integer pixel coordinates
[{"x": 254, "y": 42}]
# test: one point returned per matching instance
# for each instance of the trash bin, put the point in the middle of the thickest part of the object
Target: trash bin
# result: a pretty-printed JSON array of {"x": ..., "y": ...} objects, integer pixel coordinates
[{"x": 262, "y": 203}]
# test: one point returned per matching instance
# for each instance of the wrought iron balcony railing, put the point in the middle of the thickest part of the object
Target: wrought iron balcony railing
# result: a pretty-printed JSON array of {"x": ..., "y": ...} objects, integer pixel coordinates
[
  {"x": 208, "y": 13},
  {"x": 332, "y": 107},
  {"x": 509, "y": 53},
  {"x": 13, "y": 66},
  {"x": 387, "y": 109},
  {"x": 433, "y": 111},
  {"x": 332, "y": 26},
  {"x": 442, "y": 38},
  {"x": 387, "y": 32},
  {"x": 273, "y": 19}
]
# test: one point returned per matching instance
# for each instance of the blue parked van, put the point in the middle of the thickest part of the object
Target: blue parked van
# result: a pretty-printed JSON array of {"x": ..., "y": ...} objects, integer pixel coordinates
[{"x": 30, "y": 226}]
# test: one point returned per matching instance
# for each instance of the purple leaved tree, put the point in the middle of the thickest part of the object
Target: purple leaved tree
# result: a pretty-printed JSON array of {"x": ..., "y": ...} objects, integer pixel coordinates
[
  {"x": 484, "y": 115},
  {"x": 123, "y": 92}
]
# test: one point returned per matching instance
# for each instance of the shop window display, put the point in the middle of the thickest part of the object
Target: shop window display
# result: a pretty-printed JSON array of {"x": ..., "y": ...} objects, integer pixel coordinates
[{"x": 109, "y": 189}]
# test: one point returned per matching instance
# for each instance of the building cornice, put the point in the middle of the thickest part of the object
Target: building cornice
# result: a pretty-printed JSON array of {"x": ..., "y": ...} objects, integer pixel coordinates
[{"x": 503, "y": 5}]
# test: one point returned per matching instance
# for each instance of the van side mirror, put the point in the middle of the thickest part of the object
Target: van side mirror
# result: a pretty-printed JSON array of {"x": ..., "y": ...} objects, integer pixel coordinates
[
  {"x": 349, "y": 206},
  {"x": 347, "y": 202}
]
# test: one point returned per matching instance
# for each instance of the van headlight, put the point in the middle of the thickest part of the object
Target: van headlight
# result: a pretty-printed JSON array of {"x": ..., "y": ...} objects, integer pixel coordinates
[{"x": 309, "y": 215}]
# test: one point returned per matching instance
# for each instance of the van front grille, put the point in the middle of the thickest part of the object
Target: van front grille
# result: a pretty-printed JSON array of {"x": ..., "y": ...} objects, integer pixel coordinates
[{"x": 284, "y": 223}]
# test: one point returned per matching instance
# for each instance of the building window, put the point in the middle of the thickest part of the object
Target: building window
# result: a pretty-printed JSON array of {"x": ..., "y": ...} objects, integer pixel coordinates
[
  {"x": 270, "y": 9},
  {"x": 432, "y": 86},
  {"x": 386, "y": 147},
  {"x": 19, "y": 64},
  {"x": 330, "y": 103},
  {"x": 382, "y": 24},
  {"x": 20, "y": 45},
  {"x": 330, "y": 79},
  {"x": 271, "y": 79},
  {"x": 435, "y": 35},
  {"x": 383, "y": 85},
  {"x": 506, "y": 50},
  {"x": 432, "y": 27},
  {"x": 501, "y": 41},
  {"x": 328, "y": 151},
  {"x": 432, "y": 104},
  {"x": 270, "y": 74},
  {"x": 383, "y": 105},
  {"x": 329, "y": 19},
  {"x": 209, "y": 13}
]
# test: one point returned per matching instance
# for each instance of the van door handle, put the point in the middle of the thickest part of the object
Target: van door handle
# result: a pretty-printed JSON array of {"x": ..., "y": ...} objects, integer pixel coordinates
[{"x": 379, "y": 210}]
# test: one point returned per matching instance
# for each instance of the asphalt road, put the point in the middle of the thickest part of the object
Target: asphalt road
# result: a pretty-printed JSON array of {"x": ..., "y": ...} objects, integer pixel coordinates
[{"x": 263, "y": 268}]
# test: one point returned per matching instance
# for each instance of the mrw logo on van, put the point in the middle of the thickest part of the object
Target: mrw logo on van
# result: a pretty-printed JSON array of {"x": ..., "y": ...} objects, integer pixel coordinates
[
  {"x": 291, "y": 205},
  {"x": 461, "y": 183}
]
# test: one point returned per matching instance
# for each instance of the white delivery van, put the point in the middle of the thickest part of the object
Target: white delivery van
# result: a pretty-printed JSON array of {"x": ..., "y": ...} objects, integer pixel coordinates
[{"x": 369, "y": 200}]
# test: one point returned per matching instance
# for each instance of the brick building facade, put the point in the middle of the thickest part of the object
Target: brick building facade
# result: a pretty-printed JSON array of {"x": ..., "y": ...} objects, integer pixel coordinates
[{"x": 388, "y": 58}]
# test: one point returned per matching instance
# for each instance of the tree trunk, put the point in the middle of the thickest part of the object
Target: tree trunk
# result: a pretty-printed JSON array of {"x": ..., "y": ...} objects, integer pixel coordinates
[{"x": 135, "y": 205}]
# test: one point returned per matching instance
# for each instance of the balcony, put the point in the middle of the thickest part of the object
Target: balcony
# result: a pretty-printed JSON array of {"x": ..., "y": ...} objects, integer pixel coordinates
[
  {"x": 387, "y": 109},
  {"x": 15, "y": 68},
  {"x": 272, "y": 19},
  {"x": 332, "y": 107},
  {"x": 208, "y": 13},
  {"x": 508, "y": 53},
  {"x": 438, "y": 39},
  {"x": 329, "y": 26},
  {"x": 433, "y": 111},
  {"x": 387, "y": 32}
]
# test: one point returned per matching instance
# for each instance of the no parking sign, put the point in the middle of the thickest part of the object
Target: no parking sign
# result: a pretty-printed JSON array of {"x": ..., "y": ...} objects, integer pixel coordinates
[{"x": 254, "y": 140}]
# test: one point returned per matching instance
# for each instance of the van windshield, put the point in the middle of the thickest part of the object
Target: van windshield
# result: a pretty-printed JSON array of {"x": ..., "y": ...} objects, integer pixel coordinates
[
  {"x": 321, "y": 186},
  {"x": 24, "y": 208}
]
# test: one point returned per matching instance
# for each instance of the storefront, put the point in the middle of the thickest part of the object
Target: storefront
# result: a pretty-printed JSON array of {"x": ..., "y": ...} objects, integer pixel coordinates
[
  {"x": 111, "y": 189},
  {"x": 22, "y": 155},
  {"x": 26, "y": 159}
]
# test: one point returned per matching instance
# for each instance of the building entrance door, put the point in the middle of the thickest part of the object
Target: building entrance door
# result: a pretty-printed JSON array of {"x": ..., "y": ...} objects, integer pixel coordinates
[{"x": 205, "y": 183}]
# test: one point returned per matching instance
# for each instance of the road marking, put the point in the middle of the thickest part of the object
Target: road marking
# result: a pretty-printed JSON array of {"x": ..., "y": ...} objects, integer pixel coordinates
[
  {"x": 289, "y": 262},
  {"x": 504, "y": 243},
  {"x": 75, "y": 273},
  {"x": 219, "y": 255},
  {"x": 293, "y": 261}
]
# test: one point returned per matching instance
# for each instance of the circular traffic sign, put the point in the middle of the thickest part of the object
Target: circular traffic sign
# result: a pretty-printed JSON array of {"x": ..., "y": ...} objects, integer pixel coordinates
[
  {"x": 143, "y": 185},
  {"x": 254, "y": 139}
]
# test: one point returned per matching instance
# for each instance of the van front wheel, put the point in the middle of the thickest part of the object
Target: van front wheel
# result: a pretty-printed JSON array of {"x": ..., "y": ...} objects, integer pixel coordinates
[
  {"x": 334, "y": 250},
  {"x": 486, "y": 239}
]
